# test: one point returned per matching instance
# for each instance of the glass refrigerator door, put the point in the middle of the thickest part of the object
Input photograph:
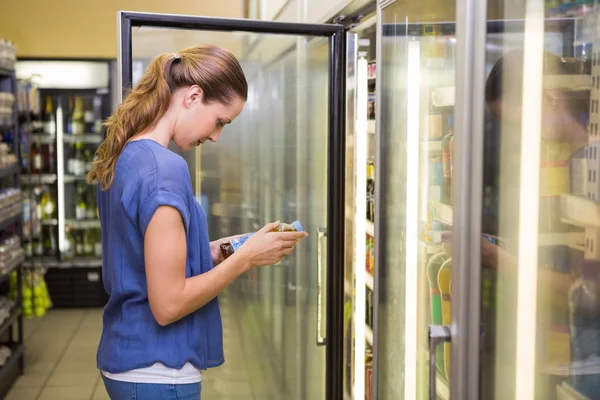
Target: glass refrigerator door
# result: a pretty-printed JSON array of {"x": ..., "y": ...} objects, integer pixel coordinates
[
  {"x": 280, "y": 160},
  {"x": 415, "y": 112}
]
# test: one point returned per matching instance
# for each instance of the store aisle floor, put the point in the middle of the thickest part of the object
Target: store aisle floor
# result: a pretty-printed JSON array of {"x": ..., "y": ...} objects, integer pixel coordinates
[{"x": 60, "y": 360}]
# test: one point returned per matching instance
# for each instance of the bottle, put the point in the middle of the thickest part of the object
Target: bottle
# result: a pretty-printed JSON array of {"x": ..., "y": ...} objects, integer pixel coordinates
[
  {"x": 50, "y": 246},
  {"x": 50, "y": 166},
  {"x": 69, "y": 250},
  {"x": 88, "y": 242},
  {"x": 71, "y": 162},
  {"x": 447, "y": 163},
  {"x": 98, "y": 114},
  {"x": 228, "y": 248},
  {"x": 98, "y": 243},
  {"x": 48, "y": 205},
  {"x": 81, "y": 206},
  {"x": 435, "y": 300},
  {"x": 49, "y": 118},
  {"x": 444, "y": 283},
  {"x": 79, "y": 164},
  {"x": 69, "y": 124},
  {"x": 37, "y": 164},
  {"x": 89, "y": 119},
  {"x": 91, "y": 205},
  {"x": 79, "y": 246},
  {"x": 78, "y": 117}
]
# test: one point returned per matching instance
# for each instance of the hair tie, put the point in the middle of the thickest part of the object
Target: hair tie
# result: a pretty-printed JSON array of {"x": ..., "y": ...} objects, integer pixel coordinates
[{"x": 176, "y": 56}]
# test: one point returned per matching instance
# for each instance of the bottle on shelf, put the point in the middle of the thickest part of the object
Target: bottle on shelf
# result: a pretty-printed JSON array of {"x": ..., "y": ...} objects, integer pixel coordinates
[
  {"x": 81, "y": 206},
  {"x": 48, "y": 205},
  {"x": 79, "y": 243},
  {"x": 370, "y": 191},
  {"x": 97, "y": 243},
  {"x": 49, "y": 118},
  {"x": 89, "y": 117},
  {"x": 69, "y": 119},
  {"x": 69, "y": 250},
  {"x": 50, "y": 243},
  {"x": 50, "y": 158},
  {"x": 91, "y": 207},
  {"x": 228, "y": 248},
  {"x": 79, "y": 160},
  {"x": 435, "y": 300},
  {"x": 98, "y": 114},
  {"x": 37, "y": 160},
  {"x": 447, "y": 163},
  {"x": 445, "y": 283},
  {"x": 88, "y": 242},
  {"x": 78, "y": 117}
]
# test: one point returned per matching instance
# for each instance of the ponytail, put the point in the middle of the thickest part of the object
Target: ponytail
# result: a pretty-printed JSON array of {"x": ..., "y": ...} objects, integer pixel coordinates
[{"x": 212, "y": 68}]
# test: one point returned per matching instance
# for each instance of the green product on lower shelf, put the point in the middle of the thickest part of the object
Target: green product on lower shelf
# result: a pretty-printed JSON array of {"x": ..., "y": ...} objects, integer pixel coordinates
[
  {"x": 433, "y": 268},
  {"x": 445, "y": 283}
]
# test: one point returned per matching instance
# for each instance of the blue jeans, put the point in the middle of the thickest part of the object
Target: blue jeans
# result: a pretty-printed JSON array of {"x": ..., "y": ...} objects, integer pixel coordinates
[{"x": 118, "y": 390}]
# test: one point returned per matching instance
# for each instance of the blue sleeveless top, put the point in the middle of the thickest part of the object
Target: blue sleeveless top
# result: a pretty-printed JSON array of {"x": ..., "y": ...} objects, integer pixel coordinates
[{"x": 148, "y": 175}]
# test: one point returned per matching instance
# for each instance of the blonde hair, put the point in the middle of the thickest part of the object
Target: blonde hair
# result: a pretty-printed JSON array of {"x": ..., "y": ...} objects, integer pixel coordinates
[{"x": 214, "y": 69}]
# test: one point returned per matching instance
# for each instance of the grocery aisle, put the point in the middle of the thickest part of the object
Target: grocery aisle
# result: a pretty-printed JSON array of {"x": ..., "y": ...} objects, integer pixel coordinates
[{"x": 61, "y": 352}]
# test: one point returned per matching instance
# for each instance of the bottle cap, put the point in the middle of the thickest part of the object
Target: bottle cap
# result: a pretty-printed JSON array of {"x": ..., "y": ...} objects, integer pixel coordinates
[{"x": 298, "y": 226}]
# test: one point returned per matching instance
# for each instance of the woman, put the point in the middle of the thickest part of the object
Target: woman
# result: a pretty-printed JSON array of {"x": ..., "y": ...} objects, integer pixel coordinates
[{"x": 162, "y": 325}]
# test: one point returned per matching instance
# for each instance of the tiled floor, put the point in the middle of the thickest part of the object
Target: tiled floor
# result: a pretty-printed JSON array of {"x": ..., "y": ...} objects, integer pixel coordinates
[{"x": 60, "y": 360}]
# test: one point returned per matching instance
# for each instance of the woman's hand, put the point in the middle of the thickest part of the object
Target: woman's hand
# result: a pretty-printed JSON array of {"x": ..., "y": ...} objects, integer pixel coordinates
[{"x": 267, "y": 247}]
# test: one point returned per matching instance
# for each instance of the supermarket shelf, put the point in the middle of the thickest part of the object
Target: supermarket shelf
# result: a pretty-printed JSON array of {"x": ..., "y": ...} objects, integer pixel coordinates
[
  {"x": 443, "y": 213},
  {"x": 7, "y": 171},
  {"x": 83, "y": 224},
  {"x": 49, "y": 222},
  {"x": 5, "y": 72},
  {"x": 9, "y": 372},
  {"x": 50, "y": 262},
  {"x": 575, "y": 240},
  {"x": 370, "y": 228},
  {"x": 90, "y": 138},
  {"x": 369, "y": 281},
  {"x": 371, "y": 126},
  {"x": 11, "y": 267},
  {"x": 369, "y": 334},
  {"x": 14, "y": 317},
  {"x": 43, "y": 138},
  {"x": 10, "y": 221},
  {"x": 38, "y": 178},
  {"x": 579, "y": 211},
  {"x": 75, "y": 178}
]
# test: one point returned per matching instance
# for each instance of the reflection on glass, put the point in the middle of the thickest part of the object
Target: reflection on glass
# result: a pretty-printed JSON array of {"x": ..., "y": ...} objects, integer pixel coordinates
[
  {"x": 542, "y": 329},
  {"x": 415, "y": 183},
  {"x": 270, "y": 164}
]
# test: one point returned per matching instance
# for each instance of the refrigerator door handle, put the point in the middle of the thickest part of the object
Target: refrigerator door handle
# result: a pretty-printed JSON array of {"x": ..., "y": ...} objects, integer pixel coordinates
[
  {"x": 321, "y": 234},
  {"x": 438, "y": 334}
]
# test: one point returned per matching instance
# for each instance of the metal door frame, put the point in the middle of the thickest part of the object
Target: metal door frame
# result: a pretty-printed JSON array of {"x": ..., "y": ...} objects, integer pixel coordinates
[
  {"x": 336, "y": 35},
  {"x": 471, "y": 30}
]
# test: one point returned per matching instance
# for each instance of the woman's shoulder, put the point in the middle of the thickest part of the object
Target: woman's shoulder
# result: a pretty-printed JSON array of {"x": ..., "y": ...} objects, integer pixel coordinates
[{"x": 146, "y": 158}]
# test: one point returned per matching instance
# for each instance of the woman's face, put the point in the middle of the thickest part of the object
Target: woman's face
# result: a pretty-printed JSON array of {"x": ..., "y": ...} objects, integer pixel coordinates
[{"x": 197, "y": 121}]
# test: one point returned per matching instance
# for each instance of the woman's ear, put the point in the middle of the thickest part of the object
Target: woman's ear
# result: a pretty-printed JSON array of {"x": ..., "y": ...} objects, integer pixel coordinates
[{"x": 193, "y": 96}]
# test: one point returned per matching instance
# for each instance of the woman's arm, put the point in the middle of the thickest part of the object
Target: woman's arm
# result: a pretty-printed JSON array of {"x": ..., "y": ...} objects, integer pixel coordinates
[{"x": 172, "y": 296}]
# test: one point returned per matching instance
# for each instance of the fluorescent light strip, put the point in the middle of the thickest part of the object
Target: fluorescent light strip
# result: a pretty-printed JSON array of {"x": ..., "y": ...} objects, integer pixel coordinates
[
  {"x": 360, "y": 226},
  {"x": 60, "y": 178},
  {"x": 529, "y": 200},
  {"x": 413, "y": 78}
]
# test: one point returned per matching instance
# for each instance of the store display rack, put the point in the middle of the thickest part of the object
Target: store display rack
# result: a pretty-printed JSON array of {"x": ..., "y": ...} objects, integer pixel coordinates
[{"x": 11, "y": 345}]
